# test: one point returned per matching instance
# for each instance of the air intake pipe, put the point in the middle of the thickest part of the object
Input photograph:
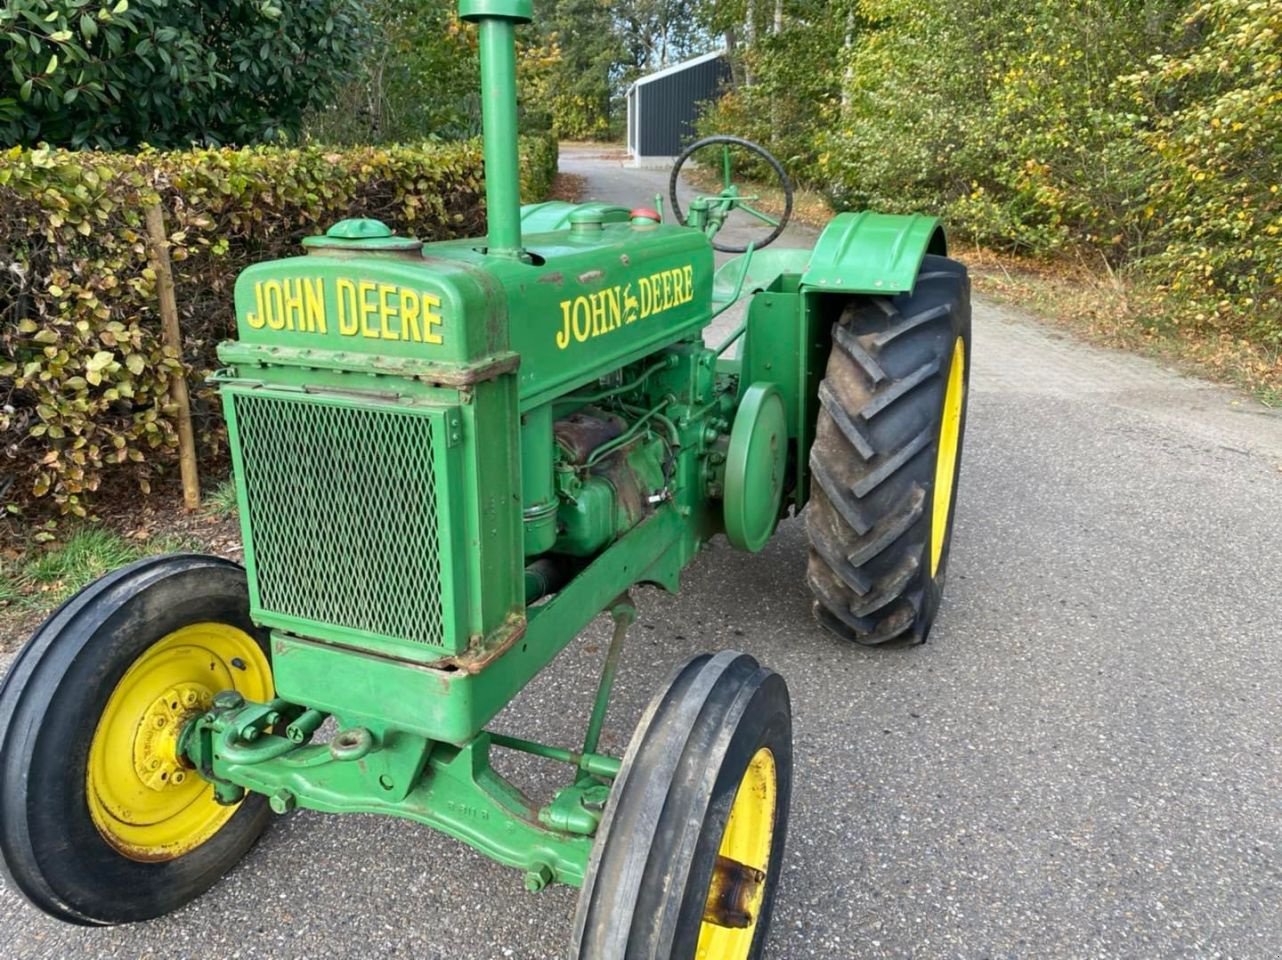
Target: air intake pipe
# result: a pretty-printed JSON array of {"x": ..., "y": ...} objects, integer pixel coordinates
[{"x": 496, "y": 21}]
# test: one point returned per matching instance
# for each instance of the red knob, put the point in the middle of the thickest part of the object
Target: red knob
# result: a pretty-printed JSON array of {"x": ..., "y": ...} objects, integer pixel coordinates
[{"x": 645, "y": 213}]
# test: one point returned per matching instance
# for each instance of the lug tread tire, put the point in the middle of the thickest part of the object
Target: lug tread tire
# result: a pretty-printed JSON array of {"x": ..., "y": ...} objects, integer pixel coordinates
[
  {"x": 874, "y": 455},
  {"x": 643, "y": 894},
  {"x": 50, "y": 851}
]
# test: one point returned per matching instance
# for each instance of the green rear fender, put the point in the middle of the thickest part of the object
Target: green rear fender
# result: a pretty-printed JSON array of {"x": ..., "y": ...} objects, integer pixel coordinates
[{"x": 873, "y": 253}]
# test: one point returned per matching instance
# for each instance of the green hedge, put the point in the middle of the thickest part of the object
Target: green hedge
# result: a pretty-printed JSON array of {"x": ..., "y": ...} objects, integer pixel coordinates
[
  {"x": 1145, "y": 134},
  {"x": 84, "y": 378}
]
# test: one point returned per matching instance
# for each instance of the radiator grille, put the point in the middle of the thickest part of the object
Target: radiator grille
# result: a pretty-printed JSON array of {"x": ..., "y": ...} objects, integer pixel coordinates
[{"x": 342, "y": 505}]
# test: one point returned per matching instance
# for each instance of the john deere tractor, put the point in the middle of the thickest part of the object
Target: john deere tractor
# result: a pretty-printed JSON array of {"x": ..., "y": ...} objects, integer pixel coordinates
[{"x": 449, "y": 459}]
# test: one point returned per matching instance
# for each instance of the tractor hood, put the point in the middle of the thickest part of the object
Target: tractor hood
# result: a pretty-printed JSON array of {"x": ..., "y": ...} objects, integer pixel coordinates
[{"x": 586, "y": 299}]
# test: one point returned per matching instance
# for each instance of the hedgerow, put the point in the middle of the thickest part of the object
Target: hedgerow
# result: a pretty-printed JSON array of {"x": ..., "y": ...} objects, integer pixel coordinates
[{"x": 84, "y": 376}]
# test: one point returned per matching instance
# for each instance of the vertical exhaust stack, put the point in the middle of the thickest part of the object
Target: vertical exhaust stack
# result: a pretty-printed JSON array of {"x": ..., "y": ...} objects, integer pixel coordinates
[{"x": 497, "y": 21}]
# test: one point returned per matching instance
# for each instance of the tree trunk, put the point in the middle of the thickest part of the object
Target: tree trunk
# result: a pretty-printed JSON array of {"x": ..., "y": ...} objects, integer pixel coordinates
[
  {"x": 848, "y": 52},
  {"x": 732, "y": 54}
]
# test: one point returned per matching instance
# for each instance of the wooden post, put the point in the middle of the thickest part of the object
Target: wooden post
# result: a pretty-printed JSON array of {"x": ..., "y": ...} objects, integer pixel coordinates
[{"x": 159, "y": 244}]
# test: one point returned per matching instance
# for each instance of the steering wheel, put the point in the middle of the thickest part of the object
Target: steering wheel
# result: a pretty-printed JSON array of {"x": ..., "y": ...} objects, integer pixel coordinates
[{"x": 710, "y": 213}]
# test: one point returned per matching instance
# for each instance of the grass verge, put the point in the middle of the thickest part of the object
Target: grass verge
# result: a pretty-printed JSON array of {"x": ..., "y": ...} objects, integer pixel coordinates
[
  {"x": 221, "y": 500},
  {"x": 1124, "y": 312},
  {"x": 47, "y": 575}
]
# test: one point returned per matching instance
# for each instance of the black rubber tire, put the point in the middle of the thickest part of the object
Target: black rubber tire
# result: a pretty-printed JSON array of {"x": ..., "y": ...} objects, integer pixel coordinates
[
  {"x": 651, "y": 867},
  {"x": 784, "y": 180},
  {"x": 874, "y": 458},
  {"x": 50, "y": 702}
]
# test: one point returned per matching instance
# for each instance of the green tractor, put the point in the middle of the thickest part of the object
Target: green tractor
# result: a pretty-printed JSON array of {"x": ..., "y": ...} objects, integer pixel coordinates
[{"x": 449, "y": 459}]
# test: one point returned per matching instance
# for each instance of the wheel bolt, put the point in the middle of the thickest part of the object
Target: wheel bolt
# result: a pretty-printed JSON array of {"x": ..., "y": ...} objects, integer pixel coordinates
[
  {"x": 538, "y": 878},
  {"x": 282, "y": 801}
]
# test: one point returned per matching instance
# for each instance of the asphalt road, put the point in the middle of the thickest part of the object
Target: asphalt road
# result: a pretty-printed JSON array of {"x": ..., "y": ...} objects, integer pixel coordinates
[{"x": 1084, "y": 762}]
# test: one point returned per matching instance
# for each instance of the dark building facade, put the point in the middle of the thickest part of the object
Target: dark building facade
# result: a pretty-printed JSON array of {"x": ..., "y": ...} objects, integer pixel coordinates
[{"x": 662, "y": 107}]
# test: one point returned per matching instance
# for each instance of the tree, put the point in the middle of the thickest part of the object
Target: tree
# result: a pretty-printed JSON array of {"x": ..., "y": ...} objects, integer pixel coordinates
[
  {"x": 656, "y": 33},
  {"x": 170, "y": 72},
  {"x": 584, "y": 57},
  {"x": 420, "y": 79}
]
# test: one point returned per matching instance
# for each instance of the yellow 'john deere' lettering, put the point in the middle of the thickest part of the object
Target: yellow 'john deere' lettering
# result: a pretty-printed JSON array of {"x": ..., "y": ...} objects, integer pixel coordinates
[
  {"x": 374, "y": 311},
  {"x": 595, "y": 314}
]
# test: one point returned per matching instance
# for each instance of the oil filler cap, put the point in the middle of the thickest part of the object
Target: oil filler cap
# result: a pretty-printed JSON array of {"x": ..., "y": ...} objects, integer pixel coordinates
[
  {"x": 359, "y": 229},
  {"x": 363, "y": 234}
]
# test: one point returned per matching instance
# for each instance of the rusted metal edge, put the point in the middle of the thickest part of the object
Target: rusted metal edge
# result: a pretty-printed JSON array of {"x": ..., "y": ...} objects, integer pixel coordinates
[
  {"x": 480, "y": 653},
  {"x": 425, "y": 371},
  {"x": 485, "y": 650}
]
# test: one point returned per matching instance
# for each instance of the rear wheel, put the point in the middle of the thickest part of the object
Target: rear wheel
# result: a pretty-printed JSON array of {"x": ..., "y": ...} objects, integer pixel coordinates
[
  {"x": 101, "y": 820},
  {"x": 691, "y": 845},
  {"x": 886, "y": 457}
]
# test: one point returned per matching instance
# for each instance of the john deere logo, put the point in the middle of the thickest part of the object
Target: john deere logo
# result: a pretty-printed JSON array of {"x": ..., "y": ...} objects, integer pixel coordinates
[
  {"x": 375, "y": 311},
  {"x": 605, "y": 311}
]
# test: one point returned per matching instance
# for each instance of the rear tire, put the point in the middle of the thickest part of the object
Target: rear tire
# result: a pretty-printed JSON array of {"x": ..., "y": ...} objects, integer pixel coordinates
[
  {"x": 886, "y": 457},
  {"x": 100, "y": 820}
]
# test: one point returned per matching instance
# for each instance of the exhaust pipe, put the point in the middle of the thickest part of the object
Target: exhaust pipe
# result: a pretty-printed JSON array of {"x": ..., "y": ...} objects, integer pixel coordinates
[{"x": 496, "y": 21}]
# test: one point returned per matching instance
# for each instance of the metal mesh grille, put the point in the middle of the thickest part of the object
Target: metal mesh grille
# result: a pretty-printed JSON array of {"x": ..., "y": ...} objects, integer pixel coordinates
[{"x": 343, "y": 515}]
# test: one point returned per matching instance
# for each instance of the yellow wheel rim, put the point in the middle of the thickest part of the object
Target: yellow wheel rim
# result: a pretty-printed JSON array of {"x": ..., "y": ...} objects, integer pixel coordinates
[
  {"x": 946, "y": 463},
  {"x": 738, "y": 885},
  {"x": 146, "y": 801}
]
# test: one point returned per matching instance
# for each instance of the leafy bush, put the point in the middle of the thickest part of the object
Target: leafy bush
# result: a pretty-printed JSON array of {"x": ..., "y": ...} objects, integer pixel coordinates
[
  {"x": 84, "y": 377},
  {"x": 1214, "y": 204},
  {"x": 170, "y": 72},
  {"x": 795, "y": 91},
  {"x": 420, "y": 78},
  {"x": 1141, "y": 132}
]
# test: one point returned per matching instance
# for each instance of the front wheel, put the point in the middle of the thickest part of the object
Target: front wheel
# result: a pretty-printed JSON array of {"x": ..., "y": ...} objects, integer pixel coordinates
[
  {"x": 101, "y": 820},
  {"x": 886, "y": 458},
  {"x": 690, "y": 849}
]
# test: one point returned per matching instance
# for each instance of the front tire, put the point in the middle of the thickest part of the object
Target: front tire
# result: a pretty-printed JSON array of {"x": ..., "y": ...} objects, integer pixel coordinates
[
  {"x": 690, "y": 849},
  {"x": 101, "y": 821},
  {"x": 886, "y": 458}
]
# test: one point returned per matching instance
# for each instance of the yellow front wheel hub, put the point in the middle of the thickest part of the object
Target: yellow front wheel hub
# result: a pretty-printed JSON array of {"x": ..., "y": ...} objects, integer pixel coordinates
[
  {"x": 739, "y": 880},
  {"x": 143, "y": 797},
  {"x": 946, "y": 462}
]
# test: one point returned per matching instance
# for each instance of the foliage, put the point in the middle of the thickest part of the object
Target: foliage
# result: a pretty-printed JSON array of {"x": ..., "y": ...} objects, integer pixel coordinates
[
  {"x": 169, "y": 72},
  {"x": 420, "y": 78},
  {"x": 84, "y": 377},
  {"x": 221, "y": 500},
  {"x": 582, "y": 56},
  {"x": 1141, "y": 132},
  {"x": 1214, "y": 148},
  {"x": 795, "y": 83}
]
